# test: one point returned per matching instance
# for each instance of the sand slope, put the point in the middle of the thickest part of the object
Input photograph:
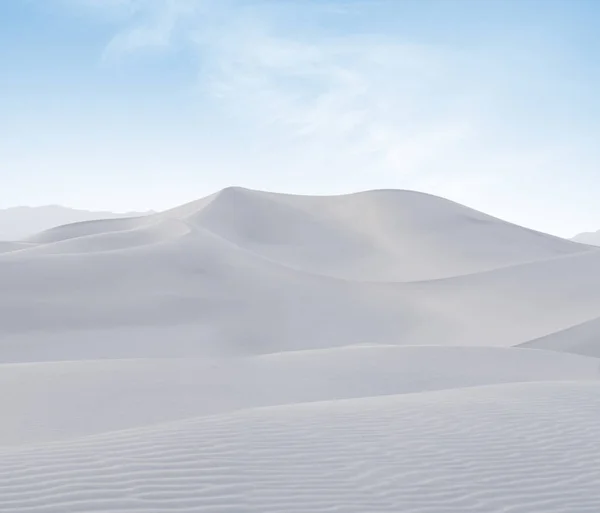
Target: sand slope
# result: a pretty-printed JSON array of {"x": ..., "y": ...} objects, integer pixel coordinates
[
  {"x": 381, "y": 235},
  {"x": 8, "y": 247},
  {"x": 591, "y": 238},
  {"x": 523, "y": 448},
  {"x": 17, "y": 223},
  {"x": 581, "y": 339},
  {"x": 62, "y": 400}
]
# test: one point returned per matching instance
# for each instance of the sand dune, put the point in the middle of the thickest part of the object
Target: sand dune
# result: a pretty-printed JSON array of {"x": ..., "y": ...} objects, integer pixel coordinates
[
  {"x": 7, "y": 247},
  {"x": 591, "y": 238},
  {"x": 254, "y": 351},
  {"x": 18, "y": 223},
  {"x": 90, "y": 228},
  {"x": 43, "y": 402},
  {"x": 371, "y": 236},
  {"x": 581, "y": 339},
  {"x": 377, "y": 235},
  {"x": 246, "y": 272},
  {"x": 523, "y": 448},
  {"x": 516, "y": 304}
]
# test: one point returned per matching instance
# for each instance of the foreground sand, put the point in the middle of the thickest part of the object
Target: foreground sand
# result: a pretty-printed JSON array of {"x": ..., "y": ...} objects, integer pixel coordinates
[{"x": 522, "y": 448}]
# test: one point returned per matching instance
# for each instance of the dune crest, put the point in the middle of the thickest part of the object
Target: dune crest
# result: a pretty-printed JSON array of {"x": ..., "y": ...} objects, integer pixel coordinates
[{"x": 248, "y": 272}]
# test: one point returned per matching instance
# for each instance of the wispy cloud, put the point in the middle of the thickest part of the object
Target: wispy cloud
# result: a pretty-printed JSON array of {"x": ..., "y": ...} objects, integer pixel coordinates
[
  {"x": 356, "y": 95},
  {"x": 370, "y": 106},
  {"x": 347, "y": 107},
  {"x": 150, "y": 25}
]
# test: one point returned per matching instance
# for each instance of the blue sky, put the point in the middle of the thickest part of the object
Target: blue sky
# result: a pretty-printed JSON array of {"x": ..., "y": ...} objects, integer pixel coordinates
[{"x": 138, "y": 104}]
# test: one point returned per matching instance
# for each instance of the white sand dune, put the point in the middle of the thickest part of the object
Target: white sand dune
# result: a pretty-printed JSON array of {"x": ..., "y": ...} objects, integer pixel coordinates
[
  {"x": 522, "y": 448},
  {"x": 515, "y": 304},
  {"x": 372, "y": 236},
  {"x": 7, "y": 247},
  {"x": 222, "y": 271},
  {"x": 18, "y": 223},
  {"x": 61, "y": 400},
  {"x": 583, "y": 339},
  {"x": 377, "y": 235},
  {"x": 591, "y": 238},
  {"x": 262, "y": 352}
]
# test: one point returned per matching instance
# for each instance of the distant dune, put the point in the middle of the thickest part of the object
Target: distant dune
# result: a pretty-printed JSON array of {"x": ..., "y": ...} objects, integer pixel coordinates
[
  {"x": 581, "y": 339},
  {"x": 18, "y": 223},
  {"x": 592, "y": 238}
]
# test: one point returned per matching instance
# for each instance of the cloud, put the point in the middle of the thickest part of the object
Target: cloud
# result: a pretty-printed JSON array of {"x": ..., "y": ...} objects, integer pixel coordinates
[
  {"x": 367, "y": 105},
  {"x": 150, "y": 25},
  {"x": 140, "y": 25},
  {"x": 361, "y": 95},
  {"x": 341, "y": 109}
]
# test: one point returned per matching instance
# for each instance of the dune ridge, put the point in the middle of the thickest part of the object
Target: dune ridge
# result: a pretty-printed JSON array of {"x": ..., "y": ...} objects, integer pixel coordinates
[{"x": 261, "y": 272}]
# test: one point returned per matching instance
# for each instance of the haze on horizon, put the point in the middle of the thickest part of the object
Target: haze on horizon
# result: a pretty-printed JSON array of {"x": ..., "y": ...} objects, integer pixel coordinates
[{"x": 126, "y": 105}]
